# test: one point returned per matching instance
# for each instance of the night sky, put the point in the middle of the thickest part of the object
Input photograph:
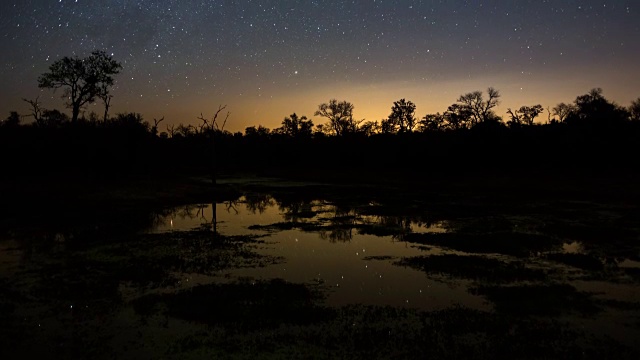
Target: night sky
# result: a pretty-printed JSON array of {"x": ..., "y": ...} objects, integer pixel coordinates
[{"x": 268, "y": 59}]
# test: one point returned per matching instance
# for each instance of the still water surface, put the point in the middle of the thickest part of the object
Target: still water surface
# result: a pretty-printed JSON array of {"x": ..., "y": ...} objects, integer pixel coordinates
[
  {"x": 357, "y": 269},
  {"x": 324, "y": 245},
  {"x": 354, "y": 267}
]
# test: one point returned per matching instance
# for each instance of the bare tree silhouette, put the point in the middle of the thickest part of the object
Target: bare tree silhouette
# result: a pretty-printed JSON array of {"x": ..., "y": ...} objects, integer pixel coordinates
[
  {"x": 36, "y": 109},
  {"x": 106, "y": 100},
  {"x": 171, "y": 130},
  {"x": 212, "y": 127},
  {"x": 562, "y": 111},
  {"x": 481, "y": 110},
  {"x": 154, "y": 127}
]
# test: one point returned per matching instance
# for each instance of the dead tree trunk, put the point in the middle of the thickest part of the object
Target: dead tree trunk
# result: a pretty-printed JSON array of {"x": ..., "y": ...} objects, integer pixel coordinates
[
  {"x": 213, "y": 127},
  {"x": 36, "y": 109},
  {"x": 107, "y": 104}
]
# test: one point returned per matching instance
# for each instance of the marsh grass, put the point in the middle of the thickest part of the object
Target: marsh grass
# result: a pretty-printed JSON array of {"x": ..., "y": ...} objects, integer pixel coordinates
[
  {"x": 241, "y": 305},
  {"x": 68, "y": 303},
  {"x": 366, "y": 332}
]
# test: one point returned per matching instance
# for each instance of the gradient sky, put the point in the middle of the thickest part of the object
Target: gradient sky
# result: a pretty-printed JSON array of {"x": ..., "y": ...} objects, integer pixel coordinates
[{"x": 268, "y": 59}]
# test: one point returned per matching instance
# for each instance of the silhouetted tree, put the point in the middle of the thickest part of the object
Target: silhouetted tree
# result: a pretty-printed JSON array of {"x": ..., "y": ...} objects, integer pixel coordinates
[
  {"x": 154, "y": 128},
  {"x": 387, "y": 127},
  {"x": 562, "y": 111},
  {"x": 525, "y": 115},
  {"x": 458, "y": 117},
  {"x": 13, "y": 120},
  {"x": 53, "y": 118},
  {"x": 593, "y": 108},
  {"x": 634, "y": 110},
  {"x": 432, "y": 122},
  {"x": 184, "y": 130},
  {"x": 322, "y": 130},
  {"x": 36, "y": 108},
  {"x": 369, "y": 128},
  {"x": 402, "y": 116},
  {"x": 171, "y": 130},
  {"x": 480, "y": 109},
  {"x": 82, "y": 79},
  {"x": 213, "y": 127},
  {"x": 92, "y": 118},
  {"x": 260, "y": 131},
  {"x": 106, "y": 100},
  {"x": 131, "y": 123},
  {"x": 295, "y": 126},
  {"x": 340, "y": 116}
]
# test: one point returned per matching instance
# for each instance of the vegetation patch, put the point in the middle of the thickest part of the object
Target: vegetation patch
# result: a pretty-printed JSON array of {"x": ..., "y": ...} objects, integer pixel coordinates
[
  {"x": 601, "y": 232},
  {"x": 244, "y": 305},
  {"x": 580, "y": 261},
  {"x": 546, "y": 300},
  {"x": 508, "y": 243},
  {"x": 478, "y": 268},
  {"x": 366, "y": 332}
]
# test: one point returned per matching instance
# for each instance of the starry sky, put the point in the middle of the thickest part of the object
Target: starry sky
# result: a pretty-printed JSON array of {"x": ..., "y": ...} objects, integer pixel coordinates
[{"x": 267, "y": 59}]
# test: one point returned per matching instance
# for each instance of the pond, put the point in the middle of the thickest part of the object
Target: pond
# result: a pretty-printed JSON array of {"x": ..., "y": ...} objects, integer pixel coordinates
[
  {"x": 354, "y": 267},
  {"x": 281, "y": 271}
]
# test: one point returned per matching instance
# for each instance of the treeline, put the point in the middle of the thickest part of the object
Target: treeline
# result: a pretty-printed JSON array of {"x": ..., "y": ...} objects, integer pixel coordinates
[{"x": 591, "y": 135}]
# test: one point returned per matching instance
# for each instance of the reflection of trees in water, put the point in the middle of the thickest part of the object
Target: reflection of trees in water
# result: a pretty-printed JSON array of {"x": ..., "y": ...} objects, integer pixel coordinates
[
  {"x": 340, "y": 221},
  {"x": 429, "y": 224},
  {"x": 337, "y": 234},
  {"x": 298, "y": 210},
  {"x": 159, "y": 218},
  {"x": 187, "y": 212},
  {"x": 198, "y": 211},
  {"x": 395, "y": 226},
  {"x": 336, "y": 221},
  {"x": 344, "y": 220},
  {"x": 258, "y": 203}
]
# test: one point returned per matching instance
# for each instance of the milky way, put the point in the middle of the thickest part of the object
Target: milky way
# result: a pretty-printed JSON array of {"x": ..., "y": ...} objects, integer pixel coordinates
[{"x": 268, "y": 59}]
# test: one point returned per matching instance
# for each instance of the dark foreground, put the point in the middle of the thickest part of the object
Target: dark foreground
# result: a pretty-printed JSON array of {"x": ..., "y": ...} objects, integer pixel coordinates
[{"x": 84, "y": 273}]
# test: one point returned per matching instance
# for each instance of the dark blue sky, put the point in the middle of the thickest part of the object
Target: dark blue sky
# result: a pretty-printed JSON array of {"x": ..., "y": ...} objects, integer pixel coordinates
[{"x": 267, "y": 59}]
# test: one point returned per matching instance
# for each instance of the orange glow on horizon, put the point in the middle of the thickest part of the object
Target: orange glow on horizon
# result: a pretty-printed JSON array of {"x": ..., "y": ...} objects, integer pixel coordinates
[{"x": 373, "y": 101}]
